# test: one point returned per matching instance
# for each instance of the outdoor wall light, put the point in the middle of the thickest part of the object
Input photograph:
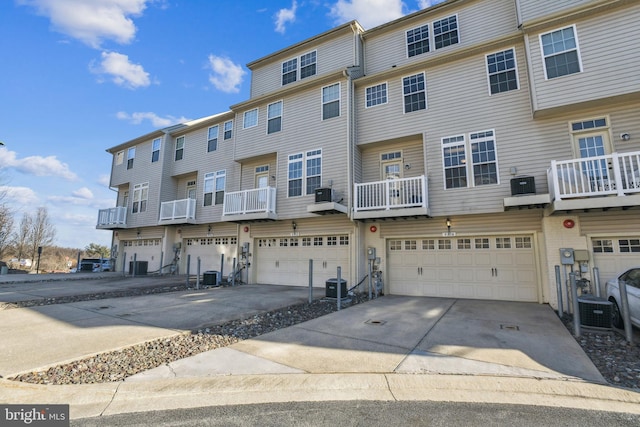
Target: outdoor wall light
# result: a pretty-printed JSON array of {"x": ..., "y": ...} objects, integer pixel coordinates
[
  {"x": 448, "y": 225},
  {"x": 209, "y": 231},
  {"x": 625, "y": 136},
  {"x": 407, "y": 166},
  {"x": 294, "y": 225}
]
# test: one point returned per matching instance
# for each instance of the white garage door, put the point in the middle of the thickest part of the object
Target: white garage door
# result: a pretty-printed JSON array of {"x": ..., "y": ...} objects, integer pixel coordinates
[
  {"x": 495, "y": 268},
  {"x": 144, "y": 250},
  {"x": 613, "y": 255},
  {"x": 210, "y": 251},
  {"x": 285, "y": 260}
]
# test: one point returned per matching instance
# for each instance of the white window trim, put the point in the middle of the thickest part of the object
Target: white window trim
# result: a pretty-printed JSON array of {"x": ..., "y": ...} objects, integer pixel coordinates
[
  {"x": 225, "y": 130},
  {"x": 217, "y": 137},
  {"x": 281, "y": 102},
  {"x": 153, "y": 148},
  {"x": 176, "y": 148},
  {"x": 433, "y": 32},
  {"x": 575, "y": 36},
  {"x": 303, "y": 159},
  {"x": 140, "y": 189},
  {"x": 244, "y": 118},
  {"x": 426, "y": 100},
  {"x": 131, "y": 155},
  {"x": 119, "y": 158},
  {"x": 213, "y": 177},
  {"x": 468, "y": 155},
  {"x": 515, "y": 60},
  {"x": 322, "y": 103},
  {"x": 429, "y": 37},
  {"x": 298, "y": 67},
  {"x": 382, "y": 103}
]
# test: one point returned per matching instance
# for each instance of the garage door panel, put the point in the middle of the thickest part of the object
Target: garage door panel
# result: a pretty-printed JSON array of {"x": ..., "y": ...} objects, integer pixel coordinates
[{"x": 500, "y": 268}]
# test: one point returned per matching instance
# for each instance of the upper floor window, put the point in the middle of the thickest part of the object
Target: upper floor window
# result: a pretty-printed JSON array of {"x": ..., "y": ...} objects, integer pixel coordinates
[
  {"x": 179, "y": 148},
  {"x": 376, "y": 95},
  {"x": 330, "y": 101},
  {"x": 445, "y": 32},
  {"x": 119, "y": 158},
  {"x": 415, "y": 93},
  {"x": 155, "y": 150},
  {"x": 304, "y": 173},
  {"x": 250, "y": 118},
  {"x": 214, "y": 183},
  {"x": 418, "y": 41},
  {"x": 131, "y": 154},
  {"x": 302, "y": 67},
  {"x": 501, "y": 68},
  {"x": 560, "y": 52},
  {"x": 483, "y": 167},
  {"x": 212, "y": 139},
  {"x": 228, "y": 129},
  {"x": 140, "y": 197},
  {"x": 274, "y": 117}
]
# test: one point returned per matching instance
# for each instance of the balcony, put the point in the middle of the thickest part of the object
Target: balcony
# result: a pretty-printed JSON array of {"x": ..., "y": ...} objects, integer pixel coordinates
[
  {"x": 178, "y": 212},
  {"x": 391, "y": 198},
  {"x": 250, "y": 205},
  {"x": 612, "y": 180},
  {"x": 112, "y": 218}
]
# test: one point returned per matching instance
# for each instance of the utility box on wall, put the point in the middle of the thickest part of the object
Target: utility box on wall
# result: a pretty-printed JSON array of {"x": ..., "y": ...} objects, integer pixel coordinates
[{"x": 594, "y": 312}]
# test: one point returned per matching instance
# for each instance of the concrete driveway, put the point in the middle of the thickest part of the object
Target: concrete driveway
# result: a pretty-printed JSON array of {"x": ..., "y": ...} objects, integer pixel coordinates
[{"x": 390, "y": 334}]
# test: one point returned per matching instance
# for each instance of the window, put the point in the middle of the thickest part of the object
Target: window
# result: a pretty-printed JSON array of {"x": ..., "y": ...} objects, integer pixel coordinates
[
  {"x": 483, "y": 155},
  {"x": 119, "y": 157},
  {"x": 414, "y": 91},
  {"x": 560, "y": 52},
  {"x": 307, "y": 64},
  {"x": 418, "y": 41},
  {"x": 602, "y": 246},
  {"x": 483, "y": 166},
  {"x": 503, "y": 242},
  {"x": 589, "y": 124},
  {"x": 289, "y": 71},
  {"x": 331, "y": 101},
  {"x": 455, "y": 170},
  {"x": 376, "y": 95},
  {"x": 274, "y": 117},
  {"x": 214, "y": 182},
  {"x": 629, "y": 245},
  {"x": 501, "y": 68},
  {"x": 228, "y": 129},
  {"x": 140, "y": 197},
  {"x": 155, "y": 150},
  {"x": 131, "y": 154},
  {"x": 314, "y": 170},
  {"x": 250, "y": 118},
  {"x": 304, "y": 173},
  {"x": 179, "y": 148},
  {"x": 212, "y": 139},
  {"x": 445, "y": 32}
]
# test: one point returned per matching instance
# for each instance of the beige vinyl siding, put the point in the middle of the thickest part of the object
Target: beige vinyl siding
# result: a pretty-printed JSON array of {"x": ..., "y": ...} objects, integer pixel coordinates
[
  {"x": 412, "y": 154},
  {"x": 530, "y": 10},
  {"x": 331, "y": 55},
  {"x": 478, "y": 22},
  {"x": 619, "y": 223},
  {"x": 302, "y": 130},
  {"x": 223, "y": 229},
  {"x": 248, "y": 178},
  {"x": 608, "y": 68}
]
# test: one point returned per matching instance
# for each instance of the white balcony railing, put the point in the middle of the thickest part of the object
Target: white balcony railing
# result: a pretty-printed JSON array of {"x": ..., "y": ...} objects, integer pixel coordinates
[
  {"x": 112, "y": 216},
  {"x": 257, "y": 200},
  {"x": 613, "y": 174},
  {"x": 184, "y": 209},
  {"x": 391, "y": 194}
]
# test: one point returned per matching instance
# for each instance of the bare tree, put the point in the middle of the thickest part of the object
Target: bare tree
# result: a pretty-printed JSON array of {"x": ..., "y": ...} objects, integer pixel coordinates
[
  {"x": 6, "y": 229},
  {"x": 42, "y": 232},
  {"x": 21, "y": 237}
]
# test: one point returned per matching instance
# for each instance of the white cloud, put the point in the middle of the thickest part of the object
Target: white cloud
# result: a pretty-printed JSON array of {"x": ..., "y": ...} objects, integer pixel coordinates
[
  {"x": 226, "y": 76},
  {"x": 92, "y": 21},
  {"x": 83, "y": 193},
  {"x": 156, "y": 121},
  {"x": 122, "y": 71},
  {"x": 285, "y": 16},
  {"x": 20, "y": 195},
  {"x": 369, "y": 13},
  {"x": 35, "y": 165},
  {"x": 423, "y": 4},
  {"x": 104, "y": 180}
]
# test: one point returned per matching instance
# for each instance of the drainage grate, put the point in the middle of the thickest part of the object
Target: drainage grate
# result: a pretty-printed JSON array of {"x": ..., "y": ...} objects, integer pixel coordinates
[
  {"x": 510, "y": 327},
  {"x": 375, "y": 322}
]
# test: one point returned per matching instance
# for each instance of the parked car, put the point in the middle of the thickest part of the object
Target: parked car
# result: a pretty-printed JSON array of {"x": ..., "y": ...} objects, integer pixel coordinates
[
  {"x": 632, "y": 279},
  {"x": 106, "y": 264}
]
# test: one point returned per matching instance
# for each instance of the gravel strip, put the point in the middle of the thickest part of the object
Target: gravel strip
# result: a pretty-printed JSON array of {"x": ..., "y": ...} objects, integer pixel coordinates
[{"x": 617, "y": 360}]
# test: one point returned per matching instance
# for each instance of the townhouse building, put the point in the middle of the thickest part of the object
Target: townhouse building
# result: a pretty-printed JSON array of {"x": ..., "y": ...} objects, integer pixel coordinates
[{"x": 465, "y": 144}]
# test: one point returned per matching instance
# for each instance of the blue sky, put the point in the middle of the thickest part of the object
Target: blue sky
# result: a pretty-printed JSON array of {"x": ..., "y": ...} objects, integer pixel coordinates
[{"x": 80, "y": 76}]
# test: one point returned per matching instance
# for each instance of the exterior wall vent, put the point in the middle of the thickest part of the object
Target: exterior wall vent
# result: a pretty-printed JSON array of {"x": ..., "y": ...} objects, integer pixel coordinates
[{"x": 523, "y": 185}]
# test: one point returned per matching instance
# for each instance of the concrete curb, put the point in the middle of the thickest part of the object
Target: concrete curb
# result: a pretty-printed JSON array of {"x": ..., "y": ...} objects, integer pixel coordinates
[{"x": 93, "y": 400}]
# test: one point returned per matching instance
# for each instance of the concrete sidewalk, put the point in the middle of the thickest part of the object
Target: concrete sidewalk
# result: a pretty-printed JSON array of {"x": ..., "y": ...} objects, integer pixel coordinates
[{"x": 392, "y": 348}]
